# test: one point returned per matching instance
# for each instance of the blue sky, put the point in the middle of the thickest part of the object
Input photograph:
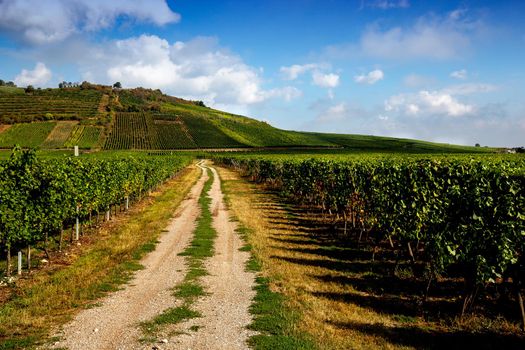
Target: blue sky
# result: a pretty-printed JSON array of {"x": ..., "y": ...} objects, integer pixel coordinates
[{"x": 449, "y": 71}]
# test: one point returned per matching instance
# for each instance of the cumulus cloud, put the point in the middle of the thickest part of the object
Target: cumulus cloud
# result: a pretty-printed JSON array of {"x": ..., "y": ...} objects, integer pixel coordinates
[
  {"x": 41, "y": 22},
  {"x": 319, "y": 77},
  {"x": 294, "y": 71},
  {"x": 37, "y": 77},
  {"x": 370, "y": 78},
  {"x": 330, "y": 80},
  {"x": 428, "y": 102},
  {"x": 432, "y": 115},
  {"x": 287, "y": 93},
  {"x": 195, "y": 69},
  {"x": 459, "y": 74}
]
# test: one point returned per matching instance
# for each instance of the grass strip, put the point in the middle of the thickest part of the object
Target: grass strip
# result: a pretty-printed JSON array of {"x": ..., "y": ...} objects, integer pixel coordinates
[
  {"x": 199, "y": 249},
  {"x": 50, "y": 299}
]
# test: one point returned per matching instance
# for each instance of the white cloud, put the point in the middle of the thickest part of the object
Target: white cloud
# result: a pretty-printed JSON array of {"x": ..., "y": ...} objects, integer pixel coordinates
[
  {"x": 386, "y": 4},
  {"x": 330, "y": 80},
  {"x": 37, "y": 77},
  {"x": 428, "y": 103},
  {"x": 333, "y": 113},
  {"x": 287, "y": 93},
  {"x": 49, "y": 21},
  {"x": 370, "y": 78},
  {"x": 319, "y": 78},
  {"x": 459, "y": 74},
  {"x": 429, "y": 37},
  {"x": 425, "y": 40},
  {"x": 195, "y": 69},
  {"x": 294, "y": 71}
]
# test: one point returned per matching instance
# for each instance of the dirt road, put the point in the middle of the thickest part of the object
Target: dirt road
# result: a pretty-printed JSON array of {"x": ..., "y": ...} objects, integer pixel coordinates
[{"x": 115, "y": 323}]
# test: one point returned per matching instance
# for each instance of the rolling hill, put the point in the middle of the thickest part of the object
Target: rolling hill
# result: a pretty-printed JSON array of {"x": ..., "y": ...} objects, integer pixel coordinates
[{"x": 99, "y": 117}]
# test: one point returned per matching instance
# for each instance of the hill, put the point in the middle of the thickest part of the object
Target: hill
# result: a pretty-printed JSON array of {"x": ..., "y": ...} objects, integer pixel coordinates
[{"x": 100, "y": 117}]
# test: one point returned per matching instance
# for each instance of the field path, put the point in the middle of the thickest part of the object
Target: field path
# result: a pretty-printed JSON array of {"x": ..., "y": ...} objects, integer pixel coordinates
[
  {"x": 114, "y": 324},
  {"x": 224, "y": 310}
]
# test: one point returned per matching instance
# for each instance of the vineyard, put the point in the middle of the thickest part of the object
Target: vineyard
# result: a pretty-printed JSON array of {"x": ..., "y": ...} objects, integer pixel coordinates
[
  {"x": 172, "y": 134},
  {"x": 41, "y": 196},
  {"x": 130, "y": 131},
  {"x": 142, "y": 130},
  {"x": 240, "y": 130},
  {"x": 49, "y": 104},
  {"x": 148, "y": 119},
  {"x": 84, "y": 136},
  {"x": 26, "y": 134},
  {"x": 446, "y": 218},
  {"x": 60, "y": 134}
]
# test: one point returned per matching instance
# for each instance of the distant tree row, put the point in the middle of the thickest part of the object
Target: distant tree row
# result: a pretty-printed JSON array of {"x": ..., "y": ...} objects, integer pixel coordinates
[
  {"x": 66, "y": 84},
  {"x": 7, "y": 83}
]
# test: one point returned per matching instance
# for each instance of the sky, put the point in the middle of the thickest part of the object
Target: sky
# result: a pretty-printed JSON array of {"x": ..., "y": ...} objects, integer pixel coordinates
[{"x": 445, "y": 71}]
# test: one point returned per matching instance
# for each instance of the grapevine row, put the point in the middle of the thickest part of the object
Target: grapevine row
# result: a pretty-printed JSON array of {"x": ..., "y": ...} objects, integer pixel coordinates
[
  {"x": 37, "y": 197},
  {"x": 468, "y": 214}
]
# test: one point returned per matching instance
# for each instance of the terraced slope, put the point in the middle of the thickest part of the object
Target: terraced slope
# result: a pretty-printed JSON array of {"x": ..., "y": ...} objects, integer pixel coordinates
[
  {"x": 149, "y": 119},
  {"x": 49, "y": 104}
]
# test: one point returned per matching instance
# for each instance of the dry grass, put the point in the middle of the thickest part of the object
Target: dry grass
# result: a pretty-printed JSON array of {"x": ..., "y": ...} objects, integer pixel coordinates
[
  {"x": 4, "y": 127},
  {"x": 329, "y": 284},
  {"x": 60, "y": 134},
  {"x": 51, "y": 298}
]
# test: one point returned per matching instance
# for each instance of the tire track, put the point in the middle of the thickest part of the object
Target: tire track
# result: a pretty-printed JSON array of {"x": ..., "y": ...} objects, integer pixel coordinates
[
  {"x": 113, "y": 325},
  {"x": 226, "y": 309}
]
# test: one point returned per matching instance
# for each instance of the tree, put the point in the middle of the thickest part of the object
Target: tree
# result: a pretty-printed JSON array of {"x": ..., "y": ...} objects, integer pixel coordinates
[
  {"x": 86, "y": 85},
  {"x": 10, "y": 84},
  {"x": 478, "y": 145},
  {"x": 117, "y": 85},
  {"x": 29, "y": 89},
  {"x": 2, "y": 83}
]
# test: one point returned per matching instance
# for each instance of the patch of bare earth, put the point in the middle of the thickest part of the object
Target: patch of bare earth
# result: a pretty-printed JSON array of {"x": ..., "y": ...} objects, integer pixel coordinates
[
  {"x": 114, "y": 324},
  {"x": 4, "y": 127}
]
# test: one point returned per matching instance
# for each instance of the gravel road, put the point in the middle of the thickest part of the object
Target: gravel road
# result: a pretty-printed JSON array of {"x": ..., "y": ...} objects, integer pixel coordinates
[
  {"x": 225, "y": 309},
  {"x": 225, "y": 316}
]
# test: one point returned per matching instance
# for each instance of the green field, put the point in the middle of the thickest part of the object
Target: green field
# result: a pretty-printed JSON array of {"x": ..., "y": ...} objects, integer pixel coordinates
[
  {"x": 8, "y": 90},
  {"x": 26, "y": 134}
]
